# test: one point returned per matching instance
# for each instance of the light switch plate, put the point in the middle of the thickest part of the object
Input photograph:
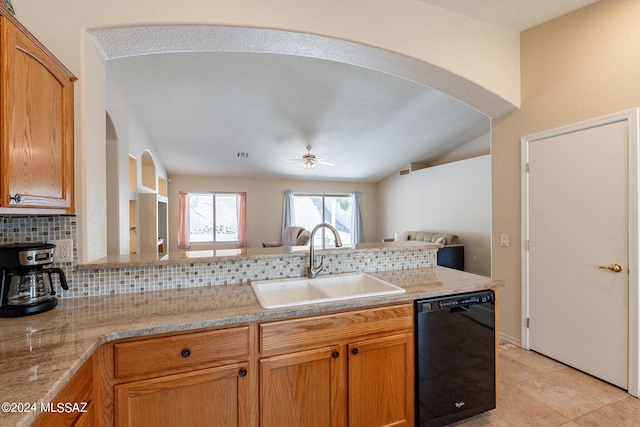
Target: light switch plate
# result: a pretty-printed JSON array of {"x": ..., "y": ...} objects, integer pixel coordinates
[
  {"x": 63, "y": 251},
  {"x": 504, "y": 240}
]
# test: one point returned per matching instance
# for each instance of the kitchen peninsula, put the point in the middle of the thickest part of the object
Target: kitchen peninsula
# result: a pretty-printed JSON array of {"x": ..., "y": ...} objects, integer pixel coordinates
[
  {"x": 217, "y": 255},
  {"x": 41, "y": 353}
]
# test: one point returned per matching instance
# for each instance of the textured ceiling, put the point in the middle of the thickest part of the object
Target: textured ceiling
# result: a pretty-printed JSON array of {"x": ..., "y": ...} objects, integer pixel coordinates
[
  {"x": 213, "y": 105},
  {"x": 206, "y": 93}
]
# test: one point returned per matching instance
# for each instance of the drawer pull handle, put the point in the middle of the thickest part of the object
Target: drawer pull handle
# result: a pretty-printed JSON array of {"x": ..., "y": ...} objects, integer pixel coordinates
[
  {"x": 186, "y": 352},
  {"x": 354, "y": 351},
  {"x": 242, "y": 372},
  {"x": 16, "y": 198},
  {"x": 335, "y": 354}
]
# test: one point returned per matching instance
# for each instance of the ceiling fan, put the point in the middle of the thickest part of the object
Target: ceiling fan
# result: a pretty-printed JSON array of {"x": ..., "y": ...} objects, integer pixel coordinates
[{"x": 309, "y": 160}]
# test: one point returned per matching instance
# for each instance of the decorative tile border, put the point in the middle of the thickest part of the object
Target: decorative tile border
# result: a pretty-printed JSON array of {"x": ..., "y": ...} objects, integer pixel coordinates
[{"x": 153, "y": 278}]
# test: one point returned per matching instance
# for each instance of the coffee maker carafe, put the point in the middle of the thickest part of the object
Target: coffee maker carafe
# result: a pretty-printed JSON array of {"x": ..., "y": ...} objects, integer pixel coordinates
[{"x": 26, "y": 285}]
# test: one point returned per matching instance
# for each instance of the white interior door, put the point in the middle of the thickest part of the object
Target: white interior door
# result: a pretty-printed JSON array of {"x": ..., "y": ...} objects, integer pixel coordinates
[{"x": 578, "y": 220}]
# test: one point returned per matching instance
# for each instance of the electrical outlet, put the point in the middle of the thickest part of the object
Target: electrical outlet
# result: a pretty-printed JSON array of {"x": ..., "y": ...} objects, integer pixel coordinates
[{"x": 63, "y": 251}]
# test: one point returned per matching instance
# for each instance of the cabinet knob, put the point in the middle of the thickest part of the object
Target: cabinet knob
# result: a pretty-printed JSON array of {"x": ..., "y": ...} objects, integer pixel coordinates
[
  {"x": 186, "y": 352},
  {"x": 242, "y": 372},
  {"x": 16, "y": 198},
  {"x": 335, "y": 354},
  {"x": 354, "y": 351}
]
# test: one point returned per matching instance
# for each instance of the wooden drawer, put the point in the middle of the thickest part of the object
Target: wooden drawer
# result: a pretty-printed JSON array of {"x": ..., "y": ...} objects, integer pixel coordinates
[
  {"x": 177, "y": 353},
  {"x": 296, "y": 334}
]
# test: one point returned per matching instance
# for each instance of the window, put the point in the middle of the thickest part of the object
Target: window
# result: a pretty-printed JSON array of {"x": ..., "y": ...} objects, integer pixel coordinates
[
  {"x": 214, "y": 218},
  {"x": 310, "y": 210}
]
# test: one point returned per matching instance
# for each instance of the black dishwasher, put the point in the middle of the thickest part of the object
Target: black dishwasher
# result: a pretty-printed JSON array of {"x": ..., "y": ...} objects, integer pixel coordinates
[{"x": 455, "y": 357}]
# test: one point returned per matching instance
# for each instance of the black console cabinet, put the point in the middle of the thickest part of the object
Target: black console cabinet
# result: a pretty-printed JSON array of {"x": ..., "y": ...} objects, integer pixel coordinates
[{"x": 451, "y": 256}]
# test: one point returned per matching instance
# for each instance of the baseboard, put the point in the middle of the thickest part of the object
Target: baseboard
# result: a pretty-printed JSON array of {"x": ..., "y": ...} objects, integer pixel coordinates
[{"x": 509, "y": 339}]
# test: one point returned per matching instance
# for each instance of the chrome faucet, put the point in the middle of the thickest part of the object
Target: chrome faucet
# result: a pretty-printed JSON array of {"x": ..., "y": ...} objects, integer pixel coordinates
[{"x": 314, "y": 270}]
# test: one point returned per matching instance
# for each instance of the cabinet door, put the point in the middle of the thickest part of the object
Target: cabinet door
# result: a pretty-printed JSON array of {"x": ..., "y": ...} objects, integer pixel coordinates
[
  {"x": 37, "y": 126},
  {"x": 381, "y": 391},
  {"x": 216, "y": 397},
  {"x": 303, "y": 389},
  {"x": 78, "y": 391}
]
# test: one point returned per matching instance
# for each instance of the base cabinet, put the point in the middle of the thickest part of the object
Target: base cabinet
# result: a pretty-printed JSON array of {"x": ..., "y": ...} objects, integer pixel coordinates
[
  {"x": 343, "y": 369},
  {"x": 302, "y": 389},
  {"x": 216, "y": 397},
  {"x": 379, "y": 391},
  {"x": 203, "y": 378},
  {"x": 78, "y": 393},
  {"x": 345, "y": 382}
]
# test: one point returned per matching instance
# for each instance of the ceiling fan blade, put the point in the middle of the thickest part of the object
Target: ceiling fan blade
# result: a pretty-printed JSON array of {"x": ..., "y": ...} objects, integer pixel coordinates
[
  {"x": 323, "y": 162},
  {"x": 309, "y": 160}
]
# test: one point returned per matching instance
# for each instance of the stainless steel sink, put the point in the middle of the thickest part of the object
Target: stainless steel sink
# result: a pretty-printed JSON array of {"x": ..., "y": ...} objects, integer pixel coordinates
[{"x": 338, "y": 287}]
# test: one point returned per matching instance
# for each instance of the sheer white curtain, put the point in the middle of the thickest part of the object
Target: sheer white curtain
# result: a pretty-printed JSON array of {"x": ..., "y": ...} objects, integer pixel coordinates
[
  {"x": 184, "y": 240},
  {"x": 241, "y": 203},
  {"x": 356, "y": 225},
  {"x": 288, "y": 218}
]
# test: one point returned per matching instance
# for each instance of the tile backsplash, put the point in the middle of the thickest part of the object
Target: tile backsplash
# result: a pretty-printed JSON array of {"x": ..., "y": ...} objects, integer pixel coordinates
[
  {"x": 26, "y": 229},
  {"x": 194, "y": 274}
]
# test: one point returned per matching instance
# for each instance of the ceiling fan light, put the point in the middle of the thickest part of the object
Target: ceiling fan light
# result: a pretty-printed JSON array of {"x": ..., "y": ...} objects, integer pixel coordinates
[{"x": 308, "y": 164}]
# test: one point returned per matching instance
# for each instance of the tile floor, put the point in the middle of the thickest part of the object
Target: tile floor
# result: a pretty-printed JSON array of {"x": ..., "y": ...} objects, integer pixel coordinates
[{"x": 537, "y": 391}]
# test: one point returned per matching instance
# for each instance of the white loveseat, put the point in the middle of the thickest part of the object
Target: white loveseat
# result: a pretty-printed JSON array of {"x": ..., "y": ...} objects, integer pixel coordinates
[
  {"x": 450, "y": 255},
  {"x": 429, "y": 236}
]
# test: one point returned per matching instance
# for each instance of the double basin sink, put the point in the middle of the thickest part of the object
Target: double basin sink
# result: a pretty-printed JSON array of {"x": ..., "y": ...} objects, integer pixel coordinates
[{"x": 301, "y": 291}]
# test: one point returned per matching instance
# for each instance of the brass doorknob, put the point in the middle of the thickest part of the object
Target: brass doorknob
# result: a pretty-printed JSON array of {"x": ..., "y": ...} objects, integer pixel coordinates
[{"x": 616, "y": 268}]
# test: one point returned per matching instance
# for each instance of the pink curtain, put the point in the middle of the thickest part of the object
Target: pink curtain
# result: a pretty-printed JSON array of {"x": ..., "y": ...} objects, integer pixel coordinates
[
  {"x": 243, "y": 239},
  {"x": 183, "y": 222}
]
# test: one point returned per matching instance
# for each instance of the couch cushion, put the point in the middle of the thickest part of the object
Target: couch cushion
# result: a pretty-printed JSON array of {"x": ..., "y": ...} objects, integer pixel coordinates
[
  {"x": 402, "y": 237},
  {"x": 430, "y": 236},
  {"x": 303, "y": 238},
  {"x": 452, "y": 239}
]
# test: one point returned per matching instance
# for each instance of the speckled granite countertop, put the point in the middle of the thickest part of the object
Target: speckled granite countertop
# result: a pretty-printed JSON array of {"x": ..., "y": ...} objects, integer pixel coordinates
[{"x": 40, "y": 353}]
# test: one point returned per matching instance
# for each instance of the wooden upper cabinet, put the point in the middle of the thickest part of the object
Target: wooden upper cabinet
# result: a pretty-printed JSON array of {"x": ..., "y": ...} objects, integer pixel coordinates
[{"x": 36, "y": 126}]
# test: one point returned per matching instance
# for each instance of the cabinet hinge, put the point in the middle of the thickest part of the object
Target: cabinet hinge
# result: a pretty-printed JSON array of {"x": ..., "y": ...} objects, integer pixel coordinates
[
  {"x": 527, "y": 244},
  {"x": 527, "y": 167},
  {"x": 528, "y": 322}
]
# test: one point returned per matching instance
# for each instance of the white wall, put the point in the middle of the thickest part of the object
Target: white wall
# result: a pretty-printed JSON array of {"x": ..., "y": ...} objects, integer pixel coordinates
[
  {"x": 470, "y": 52},
  {"x": 479, "y": 146},
  {"x": 132, "y": 139},
  {"x": 453, "y": 197},
  {"x": 264, "y": 203},
  {"x": 574, "y": 68}
]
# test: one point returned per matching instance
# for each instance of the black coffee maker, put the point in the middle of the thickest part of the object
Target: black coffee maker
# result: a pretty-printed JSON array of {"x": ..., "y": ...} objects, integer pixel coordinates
[{"x": 26, "y": 285}]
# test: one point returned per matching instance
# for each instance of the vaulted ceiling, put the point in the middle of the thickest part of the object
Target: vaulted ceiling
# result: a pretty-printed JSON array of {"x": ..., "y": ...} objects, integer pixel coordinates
[{"x": 203, "y": 108}]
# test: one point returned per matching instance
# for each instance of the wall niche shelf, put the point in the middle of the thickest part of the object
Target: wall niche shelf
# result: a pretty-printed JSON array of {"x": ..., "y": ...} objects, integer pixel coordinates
[
  {"x": 133, "y": 173},
  {"x": 148, "y": 171},
  {"x": 162, "y": 186}
]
